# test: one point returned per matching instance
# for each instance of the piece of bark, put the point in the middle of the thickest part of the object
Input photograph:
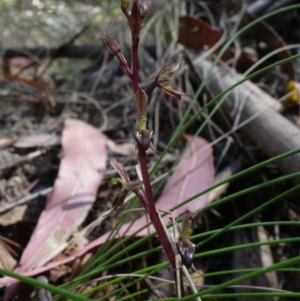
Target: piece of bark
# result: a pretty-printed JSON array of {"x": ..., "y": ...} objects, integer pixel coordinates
[{"x": 268, "y": 129}]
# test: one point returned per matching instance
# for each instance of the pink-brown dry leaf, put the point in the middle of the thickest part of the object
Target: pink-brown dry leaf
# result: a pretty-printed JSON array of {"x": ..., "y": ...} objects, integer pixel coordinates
[
  {"x": 4, "y": 142},
  {"x": 37, "y": 140},
  {"x": 74, "y": 193},
  {"x": 195, "y": 172}
]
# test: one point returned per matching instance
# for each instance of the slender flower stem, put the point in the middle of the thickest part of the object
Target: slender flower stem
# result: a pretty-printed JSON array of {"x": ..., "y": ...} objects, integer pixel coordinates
[
  {"x": 156, "y": 221},
  {"x": 153, "y": 212},
  {"x": 135, "y": 26},
  {"x": 142, "y": 135}
]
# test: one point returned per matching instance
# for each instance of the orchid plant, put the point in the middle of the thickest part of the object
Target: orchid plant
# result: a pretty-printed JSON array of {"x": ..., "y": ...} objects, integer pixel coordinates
[{"x": 184, "y": 248}]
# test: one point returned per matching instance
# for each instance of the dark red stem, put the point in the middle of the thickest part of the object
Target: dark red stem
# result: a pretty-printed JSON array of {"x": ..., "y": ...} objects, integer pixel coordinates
[
  {"x": 155, "y": 219},
  {"x": 149, "y": 204},
  {"x": 134, "y": 51},
  {"x": 153, "y": 212},
  {"x": 135, "y": 62},
  {"x": 147, "y": 199}
]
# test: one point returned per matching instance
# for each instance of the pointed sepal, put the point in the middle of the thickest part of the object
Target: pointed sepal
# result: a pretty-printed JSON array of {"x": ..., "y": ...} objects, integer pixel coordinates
[{"x": 163, "y": 79}]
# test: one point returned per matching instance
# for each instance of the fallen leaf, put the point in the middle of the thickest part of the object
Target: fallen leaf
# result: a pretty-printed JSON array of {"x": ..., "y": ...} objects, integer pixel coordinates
[
  {"x": 194, "y": 173},
  {"x": 194, "y": 33},
  {"x": 190, "y": 29},
  {"x": 74, "y": 192},
  {"x": 37, "y": 140}
]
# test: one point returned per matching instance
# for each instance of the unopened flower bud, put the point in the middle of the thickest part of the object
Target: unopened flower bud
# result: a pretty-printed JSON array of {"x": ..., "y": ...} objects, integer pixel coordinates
[
  {"x": 110, "y": 44},
  {"x": 143, "y": 8}
]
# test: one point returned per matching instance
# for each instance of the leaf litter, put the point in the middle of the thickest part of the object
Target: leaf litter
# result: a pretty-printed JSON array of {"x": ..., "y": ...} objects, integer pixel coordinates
[
  {"x": 74, "y": 192},
  {"x": 195, "y": 166}
]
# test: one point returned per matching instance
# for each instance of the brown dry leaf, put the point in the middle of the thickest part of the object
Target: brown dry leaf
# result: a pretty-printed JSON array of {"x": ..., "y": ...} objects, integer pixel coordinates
[
  {"x": 7, "y": 262},
  {"x": 195, "y": 33},
  {"x": 13, "y": 216},
  {"x": 37, "y": 140}
]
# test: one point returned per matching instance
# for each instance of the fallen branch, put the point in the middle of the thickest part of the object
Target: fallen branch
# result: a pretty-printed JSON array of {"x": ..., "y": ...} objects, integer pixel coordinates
[{"x": 259, "y": 117}]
